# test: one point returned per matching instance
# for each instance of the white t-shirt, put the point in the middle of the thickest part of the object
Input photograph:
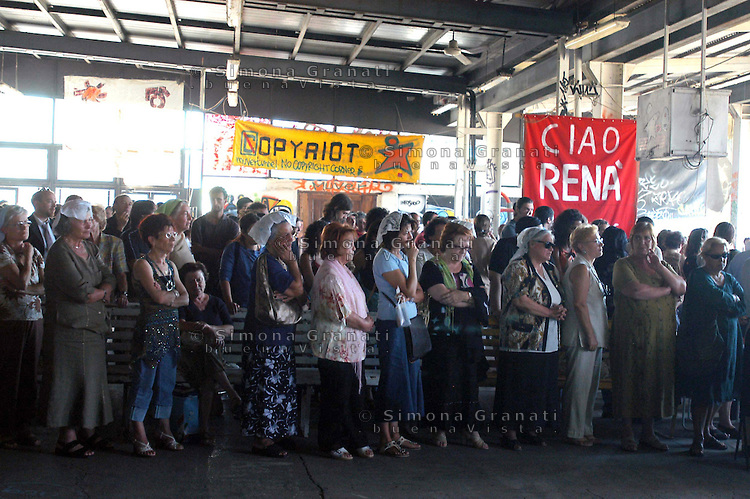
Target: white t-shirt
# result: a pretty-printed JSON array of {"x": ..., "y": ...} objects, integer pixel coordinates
[{"x": 553, "y": 332}]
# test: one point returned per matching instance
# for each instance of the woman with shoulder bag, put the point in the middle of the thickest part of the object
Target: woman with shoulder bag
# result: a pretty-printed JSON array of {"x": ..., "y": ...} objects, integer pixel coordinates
[{"x": 275, "y": 306}]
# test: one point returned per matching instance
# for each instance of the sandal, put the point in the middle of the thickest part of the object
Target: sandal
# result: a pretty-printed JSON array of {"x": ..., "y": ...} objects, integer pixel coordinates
[
  {"x": 405, "y": 443},
  {"x": 655, "y": 444},
  {"x": 66, "y": 450},
  {"x": 392, "y": 449},
  {"x": 628, "y": 444},
  {"x": 142, "y": 449},
  {"x": 718, "y": 434},
  {"x": 729, "y": 430},
  {"x": 710, "y": 442},
  {"x": 168, "y": 442},
  {"x": 472, "y": 438},
  {"x": 581, "y": 442},
  {"x": 97, "y": 442},
  {"x": 510, "y": 443},
  {"x": 341, "y": 454},
  {"x": 440, "y": 439},
  {"x": 696, "y": 450},
  {"x": 365, "y": 451},
  {"x": 273, "y": 450}
]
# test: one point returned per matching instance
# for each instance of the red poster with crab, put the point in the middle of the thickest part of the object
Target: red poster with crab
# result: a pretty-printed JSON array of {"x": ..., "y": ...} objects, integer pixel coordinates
[{"x": 583, "y": 163}]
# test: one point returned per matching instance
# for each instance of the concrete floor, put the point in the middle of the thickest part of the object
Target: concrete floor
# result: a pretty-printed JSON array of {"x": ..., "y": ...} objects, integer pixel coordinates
[{"x": 229, "y": 470}]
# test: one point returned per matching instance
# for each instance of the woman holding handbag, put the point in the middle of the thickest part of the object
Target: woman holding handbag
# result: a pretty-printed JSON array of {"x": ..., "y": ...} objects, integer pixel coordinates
[
  {"x": 274, "y": 307},
  {"x": 456, "y": 302},
  {"x": 399, "y": 394}
]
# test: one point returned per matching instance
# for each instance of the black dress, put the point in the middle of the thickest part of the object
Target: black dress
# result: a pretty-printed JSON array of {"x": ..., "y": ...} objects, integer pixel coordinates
[{"x": 450, "y": 371}]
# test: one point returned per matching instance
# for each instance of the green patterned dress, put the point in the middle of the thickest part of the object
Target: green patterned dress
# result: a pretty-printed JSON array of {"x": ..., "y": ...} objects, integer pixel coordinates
[{"x": 642, "y": 347}]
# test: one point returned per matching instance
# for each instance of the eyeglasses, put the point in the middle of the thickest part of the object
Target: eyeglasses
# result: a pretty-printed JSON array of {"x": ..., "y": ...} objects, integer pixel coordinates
[
  {"x": 720, "y": 256},
  {"x": 22, "y": 224},
  {"x": 547, "y": 244},
  {"x": 170, "y": 235},
  {"x": 463, "y": 248}
]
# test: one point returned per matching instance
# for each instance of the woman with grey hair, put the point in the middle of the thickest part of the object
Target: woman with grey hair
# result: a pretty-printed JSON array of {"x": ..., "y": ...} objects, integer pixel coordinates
[
  {"x": 526, "y": 393},
  {"x": 112, "y": 253},
  {"x": 178, "y": 212},
  {"x": 77, "y": 285},
  {"x": 270, "y": 390},
  {"x": 21, "y": 285}
]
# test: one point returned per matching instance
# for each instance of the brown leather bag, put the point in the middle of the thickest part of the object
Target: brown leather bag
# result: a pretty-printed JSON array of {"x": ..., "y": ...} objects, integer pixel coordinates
[{"x": 268, "y": 310}]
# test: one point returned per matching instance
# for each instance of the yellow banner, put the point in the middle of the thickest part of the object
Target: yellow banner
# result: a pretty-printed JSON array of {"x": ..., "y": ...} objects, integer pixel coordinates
[{"x": 387, "y": 157}]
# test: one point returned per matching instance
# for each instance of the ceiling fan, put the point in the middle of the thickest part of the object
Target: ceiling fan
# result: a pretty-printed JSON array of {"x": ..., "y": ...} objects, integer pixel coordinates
[{"x": 454, "y": 50}]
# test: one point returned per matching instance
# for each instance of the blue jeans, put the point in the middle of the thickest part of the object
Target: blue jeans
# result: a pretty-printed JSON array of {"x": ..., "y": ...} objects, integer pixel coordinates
[{"x": 147, "y": 379}]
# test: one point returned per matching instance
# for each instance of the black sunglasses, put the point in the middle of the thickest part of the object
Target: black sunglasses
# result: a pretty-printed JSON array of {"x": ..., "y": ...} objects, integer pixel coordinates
[
  {"x": 720, "y": 256},
  {"x": 547, "y": 244}
]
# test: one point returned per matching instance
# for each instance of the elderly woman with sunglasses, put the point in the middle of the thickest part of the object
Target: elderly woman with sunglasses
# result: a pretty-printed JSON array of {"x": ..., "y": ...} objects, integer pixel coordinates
[
  {"x": 643, "y": 338},
  {"x": 156, "y": 342},
  {"x": 21, "y": 284},
  {"x": 708, "y": 339},
  {"x": 526, "y": 396},
  {"x": 584, "y": 335},
  {"x": 77, "y": 284}
]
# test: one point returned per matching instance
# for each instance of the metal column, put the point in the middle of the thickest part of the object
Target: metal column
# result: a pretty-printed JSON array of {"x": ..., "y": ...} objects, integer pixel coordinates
[{"x": 494, "y": 141}]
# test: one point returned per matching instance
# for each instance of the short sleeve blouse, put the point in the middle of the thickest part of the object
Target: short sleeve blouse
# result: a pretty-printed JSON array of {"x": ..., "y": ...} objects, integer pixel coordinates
[
  {"x": 385, "y": 261},
  {"x": 14, "y": 306}
]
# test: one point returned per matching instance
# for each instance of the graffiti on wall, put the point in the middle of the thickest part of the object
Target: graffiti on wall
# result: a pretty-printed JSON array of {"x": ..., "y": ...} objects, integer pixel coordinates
[
  {"x": 275, "y": 204},
  {"x": 336, "y": 186}
]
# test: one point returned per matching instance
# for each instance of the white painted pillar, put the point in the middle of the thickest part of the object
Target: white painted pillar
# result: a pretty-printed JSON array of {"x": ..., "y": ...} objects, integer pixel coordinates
[
  {"x": 463, "y": 144},
  {"x": 577, "y": 80},
  {"x": 563, "y": 65},
  {"x": 611, "y": 89},
  {"x": 494, "y": 141}
]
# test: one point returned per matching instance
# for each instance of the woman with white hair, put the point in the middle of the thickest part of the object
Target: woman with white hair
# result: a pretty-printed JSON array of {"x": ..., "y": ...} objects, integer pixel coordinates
[
  {"x": 584, "y": 335},
  {"x": 276, "y": 296},
  {"x": 708, "y": 341},
  {"x": 21, "y": 285},
  {"x": 77, "y": 285},
  {"x": 526, "y": 394}
]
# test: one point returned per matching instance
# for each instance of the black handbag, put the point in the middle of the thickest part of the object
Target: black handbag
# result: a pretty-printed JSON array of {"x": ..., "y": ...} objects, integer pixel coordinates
[{"x": 418, "y": 343}]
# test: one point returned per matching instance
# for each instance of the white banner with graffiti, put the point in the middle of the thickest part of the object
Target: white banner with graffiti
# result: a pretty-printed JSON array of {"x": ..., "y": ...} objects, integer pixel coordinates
[{"x": 153, "y": 94}]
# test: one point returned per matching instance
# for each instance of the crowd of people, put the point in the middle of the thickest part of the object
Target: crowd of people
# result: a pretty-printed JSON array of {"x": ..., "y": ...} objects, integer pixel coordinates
[{"x": 670, "y": 311}]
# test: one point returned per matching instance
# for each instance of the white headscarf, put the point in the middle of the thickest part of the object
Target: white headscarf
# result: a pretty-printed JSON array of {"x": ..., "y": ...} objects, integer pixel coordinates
[
  {"x": 468, "y": 225},
  {"x": 525, "y": 238},
  {"x": 391, "y": 223},
  {"x": 78, "y": 209},
  {"x": 261, "y": 231}
]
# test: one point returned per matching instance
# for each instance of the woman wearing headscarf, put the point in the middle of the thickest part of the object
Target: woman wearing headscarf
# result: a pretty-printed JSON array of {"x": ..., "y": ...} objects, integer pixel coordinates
[
  {"x": 237, "y": 262},
  {"x": 178, "y": 212},
  {"x": 643, "y": 338},
  {"x": 529, "y": 340},
  {"x": 21, "y": 285},
  {"x": 77, "y": 285},
  {"x": 456, "y": 301},
  {"x": 584, "y": 335},
  {"x": 270, "y": 390},
  {"x": 399, "y": 396},
  {"x": 341, "y": 323},
  {"x": 156, "y": 342},
  {"x": 707, "y": 342}
]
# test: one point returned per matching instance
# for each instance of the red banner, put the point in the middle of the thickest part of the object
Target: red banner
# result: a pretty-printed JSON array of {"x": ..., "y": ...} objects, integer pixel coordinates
[{"x": 582, "y": 163}]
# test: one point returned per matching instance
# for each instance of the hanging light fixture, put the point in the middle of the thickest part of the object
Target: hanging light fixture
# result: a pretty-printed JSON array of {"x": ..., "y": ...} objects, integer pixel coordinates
[{"x": 597, "y": 33}]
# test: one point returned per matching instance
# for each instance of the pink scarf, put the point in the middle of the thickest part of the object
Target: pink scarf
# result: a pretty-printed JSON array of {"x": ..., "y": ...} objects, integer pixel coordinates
[{"x": 354, "y": 298}]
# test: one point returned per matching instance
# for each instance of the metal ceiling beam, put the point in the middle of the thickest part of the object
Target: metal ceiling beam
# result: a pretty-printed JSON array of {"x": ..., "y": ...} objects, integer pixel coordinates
[
  {"x": 740, "y": 93},
  {"x": 175, "y": 27},
  {"x": 495, "y": 66},
  {"x": 430, "y": 39},
  {"x": 506, "y": 17},
  {"x": 6, "y": 25},
  {"x": 645, "y": 35},
  {"x": 301, "y": 36},
  {"x": 642, "y": 39},
  {"x": 112, "y": 16},
  {"x": 366, "y": 35},
  {"x": 56, "y": 22},
  {"x": 693, "y": 65},
  {"x": 254, "y": 67}
]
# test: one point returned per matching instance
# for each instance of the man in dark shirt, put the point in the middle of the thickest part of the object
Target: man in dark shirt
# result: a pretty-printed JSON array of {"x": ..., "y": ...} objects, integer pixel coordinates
[
  {"x": 41, "y": 235},
  {"x": 524, "y": 207},
  {"x": 210, "y": 234},
  {"x": 117, "y": 222}
]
